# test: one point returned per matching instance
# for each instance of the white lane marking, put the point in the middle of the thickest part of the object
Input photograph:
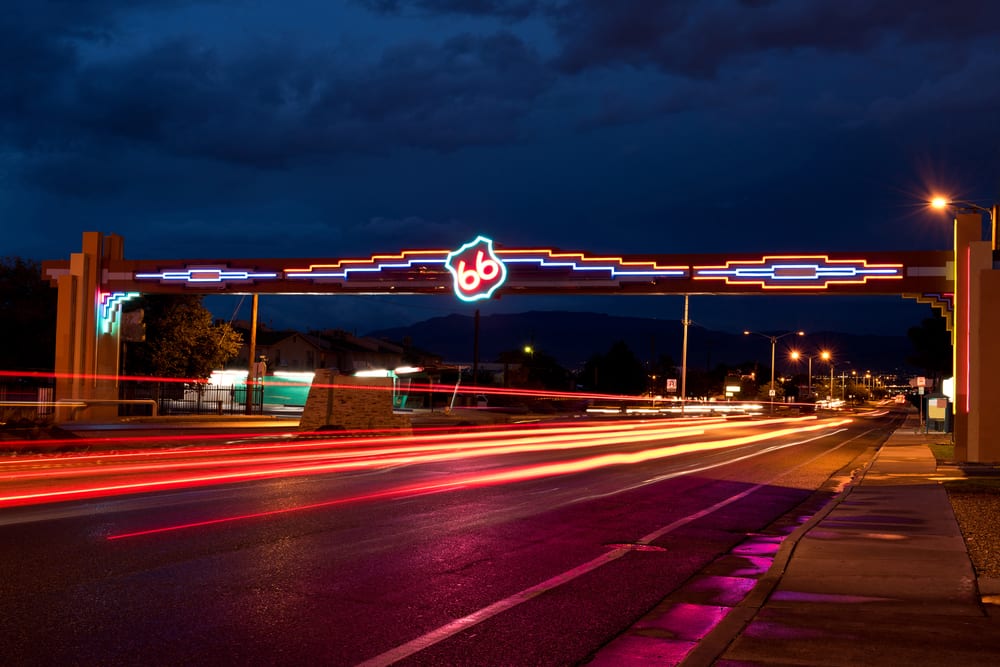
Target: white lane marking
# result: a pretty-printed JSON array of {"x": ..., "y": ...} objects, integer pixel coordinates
[{"x": 458, "y": 625}]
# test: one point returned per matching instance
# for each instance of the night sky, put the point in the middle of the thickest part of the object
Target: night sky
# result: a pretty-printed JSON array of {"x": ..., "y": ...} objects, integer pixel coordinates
[{"x": 320, "y": 128}]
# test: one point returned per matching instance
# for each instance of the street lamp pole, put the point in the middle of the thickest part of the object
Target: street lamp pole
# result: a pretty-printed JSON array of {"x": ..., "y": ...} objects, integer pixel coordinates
[
  {"x": 684, "y": 356},
  {"x": 774, "y": 342},
  {"x": 972, "y": 258},
  {"x": 942, "y": 203},
  {"x": 828, "y": 358},
  {"x": 252, "y": 356},
  {"x": 796, "y": 355}
]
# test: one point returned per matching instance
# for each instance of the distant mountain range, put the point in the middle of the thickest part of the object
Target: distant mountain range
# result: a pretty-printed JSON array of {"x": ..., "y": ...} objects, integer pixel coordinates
[{"x": 573, "y": 337}]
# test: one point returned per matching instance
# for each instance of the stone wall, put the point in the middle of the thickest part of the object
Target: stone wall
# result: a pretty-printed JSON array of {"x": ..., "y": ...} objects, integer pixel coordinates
[{"x": 351, "y": 403}]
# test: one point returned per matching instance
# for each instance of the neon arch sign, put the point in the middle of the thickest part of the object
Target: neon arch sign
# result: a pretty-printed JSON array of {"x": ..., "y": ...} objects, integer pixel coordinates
[{"x": 478, "y": 270}]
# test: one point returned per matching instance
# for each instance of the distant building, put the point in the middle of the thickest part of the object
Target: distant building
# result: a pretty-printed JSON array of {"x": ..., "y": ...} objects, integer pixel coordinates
[
  {"x": 350, "y": 354},
  {"x": 290, "y": 350}
]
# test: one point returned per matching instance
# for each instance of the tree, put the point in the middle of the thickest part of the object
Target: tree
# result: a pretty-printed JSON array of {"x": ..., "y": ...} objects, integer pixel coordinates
[
  {"x": 618, "y": 371},
  {"x": 181, "y": 341},
  {"x": 537, "y": 370},
  {"x": 544, "y": 371},
  {"x": 27, "y": 316},
  {"x": 931, "y": 347}
]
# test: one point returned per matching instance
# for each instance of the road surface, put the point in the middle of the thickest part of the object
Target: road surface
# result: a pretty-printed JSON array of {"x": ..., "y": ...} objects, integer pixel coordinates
[{"x": 536, "y": 547}]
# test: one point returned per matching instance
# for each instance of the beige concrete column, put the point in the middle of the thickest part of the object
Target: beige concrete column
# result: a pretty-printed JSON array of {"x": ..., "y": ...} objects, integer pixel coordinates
[
  {"x": 86, "y": 359},
  {"x": 67, "y": 381},
  {"x": 107, "y": 362},
  {"x": 984, "y": 352},
  {"x": 76, "y": 340},
  {"x": 968, "y": 230}
]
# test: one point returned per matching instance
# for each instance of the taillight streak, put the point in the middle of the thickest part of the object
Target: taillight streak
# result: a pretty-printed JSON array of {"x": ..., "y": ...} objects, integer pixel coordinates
[
  {"x": 423, "y": 435},
  {"x": 508, "y": 475},
  {"x": 384, "y": 457},
  {"x": 306, "y": 440},
  {"x": 296, "y": 464}
]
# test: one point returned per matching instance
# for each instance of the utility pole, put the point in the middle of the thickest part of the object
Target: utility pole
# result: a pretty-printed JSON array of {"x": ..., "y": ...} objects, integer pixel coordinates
[
  {"x": 475, "y": 352},
  {"x": 251, "y": 356},
  {"x": 684, "y": 354}
]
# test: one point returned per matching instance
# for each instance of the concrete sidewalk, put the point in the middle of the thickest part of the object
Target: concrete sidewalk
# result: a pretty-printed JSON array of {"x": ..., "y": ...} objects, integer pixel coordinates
[{"x": 879, "y": 576}]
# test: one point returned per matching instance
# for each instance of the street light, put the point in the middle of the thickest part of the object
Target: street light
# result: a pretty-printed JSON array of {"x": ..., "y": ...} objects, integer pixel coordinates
[
  {"x": 774, "y": 341},
  {"x": 828, "y": 358},
  {"x": 795, "y": 356},
  {"x": 941, "y": 203},
  {"x": 964, "y": 337}
]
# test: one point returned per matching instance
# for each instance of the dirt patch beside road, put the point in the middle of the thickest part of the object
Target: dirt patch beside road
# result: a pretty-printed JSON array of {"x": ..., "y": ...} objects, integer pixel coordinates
[{"x": 976, "y": 503}]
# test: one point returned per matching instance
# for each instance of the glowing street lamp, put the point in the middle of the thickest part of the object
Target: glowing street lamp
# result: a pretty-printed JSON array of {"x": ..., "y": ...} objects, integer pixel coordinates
[
  {"x": 967, "y": 233},
  {"x": 942, "y": 203},
  {"x": 795, "y": 356},
  {"x": 828, "y": 358},
  {"x": 774, "y": 341}
]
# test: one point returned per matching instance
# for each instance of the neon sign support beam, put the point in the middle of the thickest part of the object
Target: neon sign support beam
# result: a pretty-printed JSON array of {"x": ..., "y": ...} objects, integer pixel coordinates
[{"x": 507, "y": 271}]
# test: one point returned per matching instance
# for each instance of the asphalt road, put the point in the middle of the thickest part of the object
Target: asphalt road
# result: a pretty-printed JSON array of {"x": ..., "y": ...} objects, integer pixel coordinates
[{"x": 437, "y": 562}]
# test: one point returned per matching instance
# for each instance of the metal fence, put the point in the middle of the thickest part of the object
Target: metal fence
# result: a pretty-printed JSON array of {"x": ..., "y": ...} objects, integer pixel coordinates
[
  {"x": 175, "y": 398},
  {"x": 31, "y": 400},
  {"x": 26, "y": 400}
]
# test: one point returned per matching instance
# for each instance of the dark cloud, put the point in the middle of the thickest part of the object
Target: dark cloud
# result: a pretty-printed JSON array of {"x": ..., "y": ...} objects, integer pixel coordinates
[
  {"x": 311, "y": 128},
  {"x": 272, "y": 105},
  {"x": 508, "y": 9},
  {"x": 466, "y": 91},
  {"x": 696, "y": 39}
]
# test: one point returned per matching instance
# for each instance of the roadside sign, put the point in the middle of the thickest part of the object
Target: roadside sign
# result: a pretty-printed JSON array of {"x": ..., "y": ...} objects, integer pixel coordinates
[
  {"x": 920, "y": 390},
  {"x": 671, "y": 385},
  {"x": 921, "y": 382},
  {"x": 772, "y": 393}
]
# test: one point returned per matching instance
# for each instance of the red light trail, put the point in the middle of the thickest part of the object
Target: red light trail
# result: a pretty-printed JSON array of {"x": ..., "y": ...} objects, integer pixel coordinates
[
  {"x": 77, "y": 477},
  {"x": 508, "y": 475}
]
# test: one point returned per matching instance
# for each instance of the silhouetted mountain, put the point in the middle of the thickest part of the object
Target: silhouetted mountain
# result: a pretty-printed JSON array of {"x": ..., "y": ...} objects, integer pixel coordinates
[{"x": 573, "y": 337}]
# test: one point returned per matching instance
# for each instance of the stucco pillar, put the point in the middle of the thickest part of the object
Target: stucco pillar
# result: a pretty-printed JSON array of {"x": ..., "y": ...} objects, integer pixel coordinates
[
  {"x": 86, "y": 355},
  {"x": 76, "y": 340},
  {"x": 968, "y": 230},
  {"x": 984, "y": 352}
]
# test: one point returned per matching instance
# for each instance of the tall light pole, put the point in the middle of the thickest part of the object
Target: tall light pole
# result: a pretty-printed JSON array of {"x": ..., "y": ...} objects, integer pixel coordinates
[
  {"x": 971, "y": 258},
  {"x": 942, "y": 203},
  {"x": 684, "y": 355},
  {"x": 251, "y": 356},
  {"x": 774, "y": 340},
  {"x": 827, "y": 357},
  {"x": 796, "y": 355}
]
